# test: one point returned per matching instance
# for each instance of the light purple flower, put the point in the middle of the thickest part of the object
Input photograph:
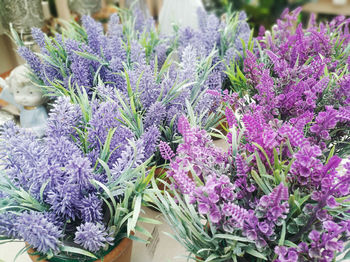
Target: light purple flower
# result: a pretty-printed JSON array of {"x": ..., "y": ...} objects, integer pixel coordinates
[{"x": 92, "y": 236}]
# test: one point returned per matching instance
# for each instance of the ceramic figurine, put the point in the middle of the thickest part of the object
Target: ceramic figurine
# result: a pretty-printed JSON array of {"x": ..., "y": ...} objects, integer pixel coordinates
[
  {"x": 181, "y": 12},
  {"x": 28, "y": 98},
  {"x": 7, "y": 111}
]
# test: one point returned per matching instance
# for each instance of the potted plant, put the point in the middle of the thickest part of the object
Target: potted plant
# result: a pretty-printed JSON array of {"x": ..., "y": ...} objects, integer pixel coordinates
[
  {"x": 300, "y": 75},
  {"x": 63, "y": 195},
  {"x": 272, "y": 197},
  {"x": 149, "y": 75}
]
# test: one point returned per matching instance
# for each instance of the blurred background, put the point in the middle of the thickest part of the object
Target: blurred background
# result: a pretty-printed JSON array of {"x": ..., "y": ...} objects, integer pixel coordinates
[{"x": 49, "y": 14}]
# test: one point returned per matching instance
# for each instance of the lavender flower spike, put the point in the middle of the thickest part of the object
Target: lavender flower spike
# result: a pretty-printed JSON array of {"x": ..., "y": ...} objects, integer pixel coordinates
[
  {"x": 92, "y": 236},
  {"x": 39, "y": 232}
]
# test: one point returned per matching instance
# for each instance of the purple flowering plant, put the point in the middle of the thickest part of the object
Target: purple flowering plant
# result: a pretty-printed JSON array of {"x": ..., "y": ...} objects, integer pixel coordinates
[
  {"x": 300, "y": 75},
  {"x": 230, "y": 36},
  {"x": 134, "y": 66},
  {"x": 273, "y": 196},
  {"x": 76, "y": 192}
]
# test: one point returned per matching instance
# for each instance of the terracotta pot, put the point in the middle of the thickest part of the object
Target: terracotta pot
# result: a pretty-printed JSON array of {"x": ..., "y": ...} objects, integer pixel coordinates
[
  {"x": 121, "y": 253},
  {"x": 220, "y": 128},
  {"x": 238, "y": 259},
  {"x": 158, "y": 174}
]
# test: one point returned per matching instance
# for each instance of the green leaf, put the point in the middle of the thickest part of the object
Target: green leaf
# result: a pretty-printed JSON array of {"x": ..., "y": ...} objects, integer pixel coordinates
[
  {"x": 346, "y": 257},
  {"x": 143, "y": 231},
  {"x": 255, "y": 253},
  {"x": 301, "y": 220},
  {"x": 21, "y": 252},
  {"x": 331, "y": 153},
  {"x": 292, "y": 228},
  {"x": 77, "y": 251},
  {"x": 106, "y": 168},
  {"x": 87, "y": 56},
  {"x": 264, "y": 153},
  {"x": 132, "y": 237},
  {"x": 290, "y": 244},
  {"x": 260, "y": 183},
  {"x": 107, "y": 191},
  {"x": 149, "y": 221},
  {"x": 42, "y": 189},
  {"x": 283, "y": 234},
  {"x": 148, "y": 178},
  {"x": 212, "y": 257},
  {"x": 261, "y": 167},
  {"x": 233, "y": 237},
  {"x": 136, "y": 213},
  {"x": 275, "y": 158}
]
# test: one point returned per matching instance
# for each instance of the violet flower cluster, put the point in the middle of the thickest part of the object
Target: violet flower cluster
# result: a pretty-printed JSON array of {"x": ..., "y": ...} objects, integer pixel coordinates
[
  {"x": 273, "y": 189},
  {"x": 229, "y": 37},
  {"x": 48, "y": 186},
  {"x": 132, "y": 64},
  {"x": 301, "y": 76}
]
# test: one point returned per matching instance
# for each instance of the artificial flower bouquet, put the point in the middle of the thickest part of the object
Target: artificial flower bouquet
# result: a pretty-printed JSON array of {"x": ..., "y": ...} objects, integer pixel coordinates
[
  {"x": 135, "y": 67},
  {"x": 76, "y": 193},
  {"x": 273, "y": 196},
  {"x": 301, "y": 75}
]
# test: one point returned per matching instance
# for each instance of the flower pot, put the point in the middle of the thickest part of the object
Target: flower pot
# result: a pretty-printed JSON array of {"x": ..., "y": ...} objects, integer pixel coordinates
[
  {"x": 221, "y": 128},
  {"x": 120, "y": 253},
  {"x": 158, "y": 173}
]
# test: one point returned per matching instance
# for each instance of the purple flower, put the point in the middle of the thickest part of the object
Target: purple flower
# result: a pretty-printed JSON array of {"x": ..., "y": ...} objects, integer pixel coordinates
[
  {"x": 165, "y": 151},
  {"x": 143, "y": 81},
  {"x": 286, "y": 254},
  {"x": 231, "y": 119},
  {"x": 81, "y": 71},
  {"x": 8, "y": 225},
  {"x": 39, "y": 232},
  {"x": 79, "y": 172},
  {"x": 236, "y": 214},
  {"x": 64, "y": 200},
  {"x": 39, "y": 38},
  {"x": 92, "y": 236},
  {"x": 32, "y": 60},
  {"x": 273, "y": 206},
  {"x": 150, "y": 141},
  {"x": 63, "y": 118},
  {"x": 105, "y": 117},
  {"x": 214, "y": 214},
  {"x": 290, "y": 88},
  {"x": 155, "y": 115},
  {"x": 131, "y": 157},
  {"x": 203, "y": 208},
  {"x": 137, "y": 54},
  {"x": 325, "y": 121},
  {"x": 307, "y": 168},
  {"x": 91, "y": 209},
  {"x": 182, "y": 180},
  {"x": 94, "y": 32}
]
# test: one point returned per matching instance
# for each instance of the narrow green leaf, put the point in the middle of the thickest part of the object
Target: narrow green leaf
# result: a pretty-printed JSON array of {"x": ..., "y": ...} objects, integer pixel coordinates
[
  {"x": 233, "y": 237},
  {"x": 260, "y": 183},
  {"x": 143, "y": 231},
  {"x": 149, "y": 221},
  {"x": 283, "y": 234},
  {"x": 290, "y": 244},
  {"x": 77, "y": 251},
  {"x": 255, "y": 253},
  {"x": 331, "y": 153}
]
